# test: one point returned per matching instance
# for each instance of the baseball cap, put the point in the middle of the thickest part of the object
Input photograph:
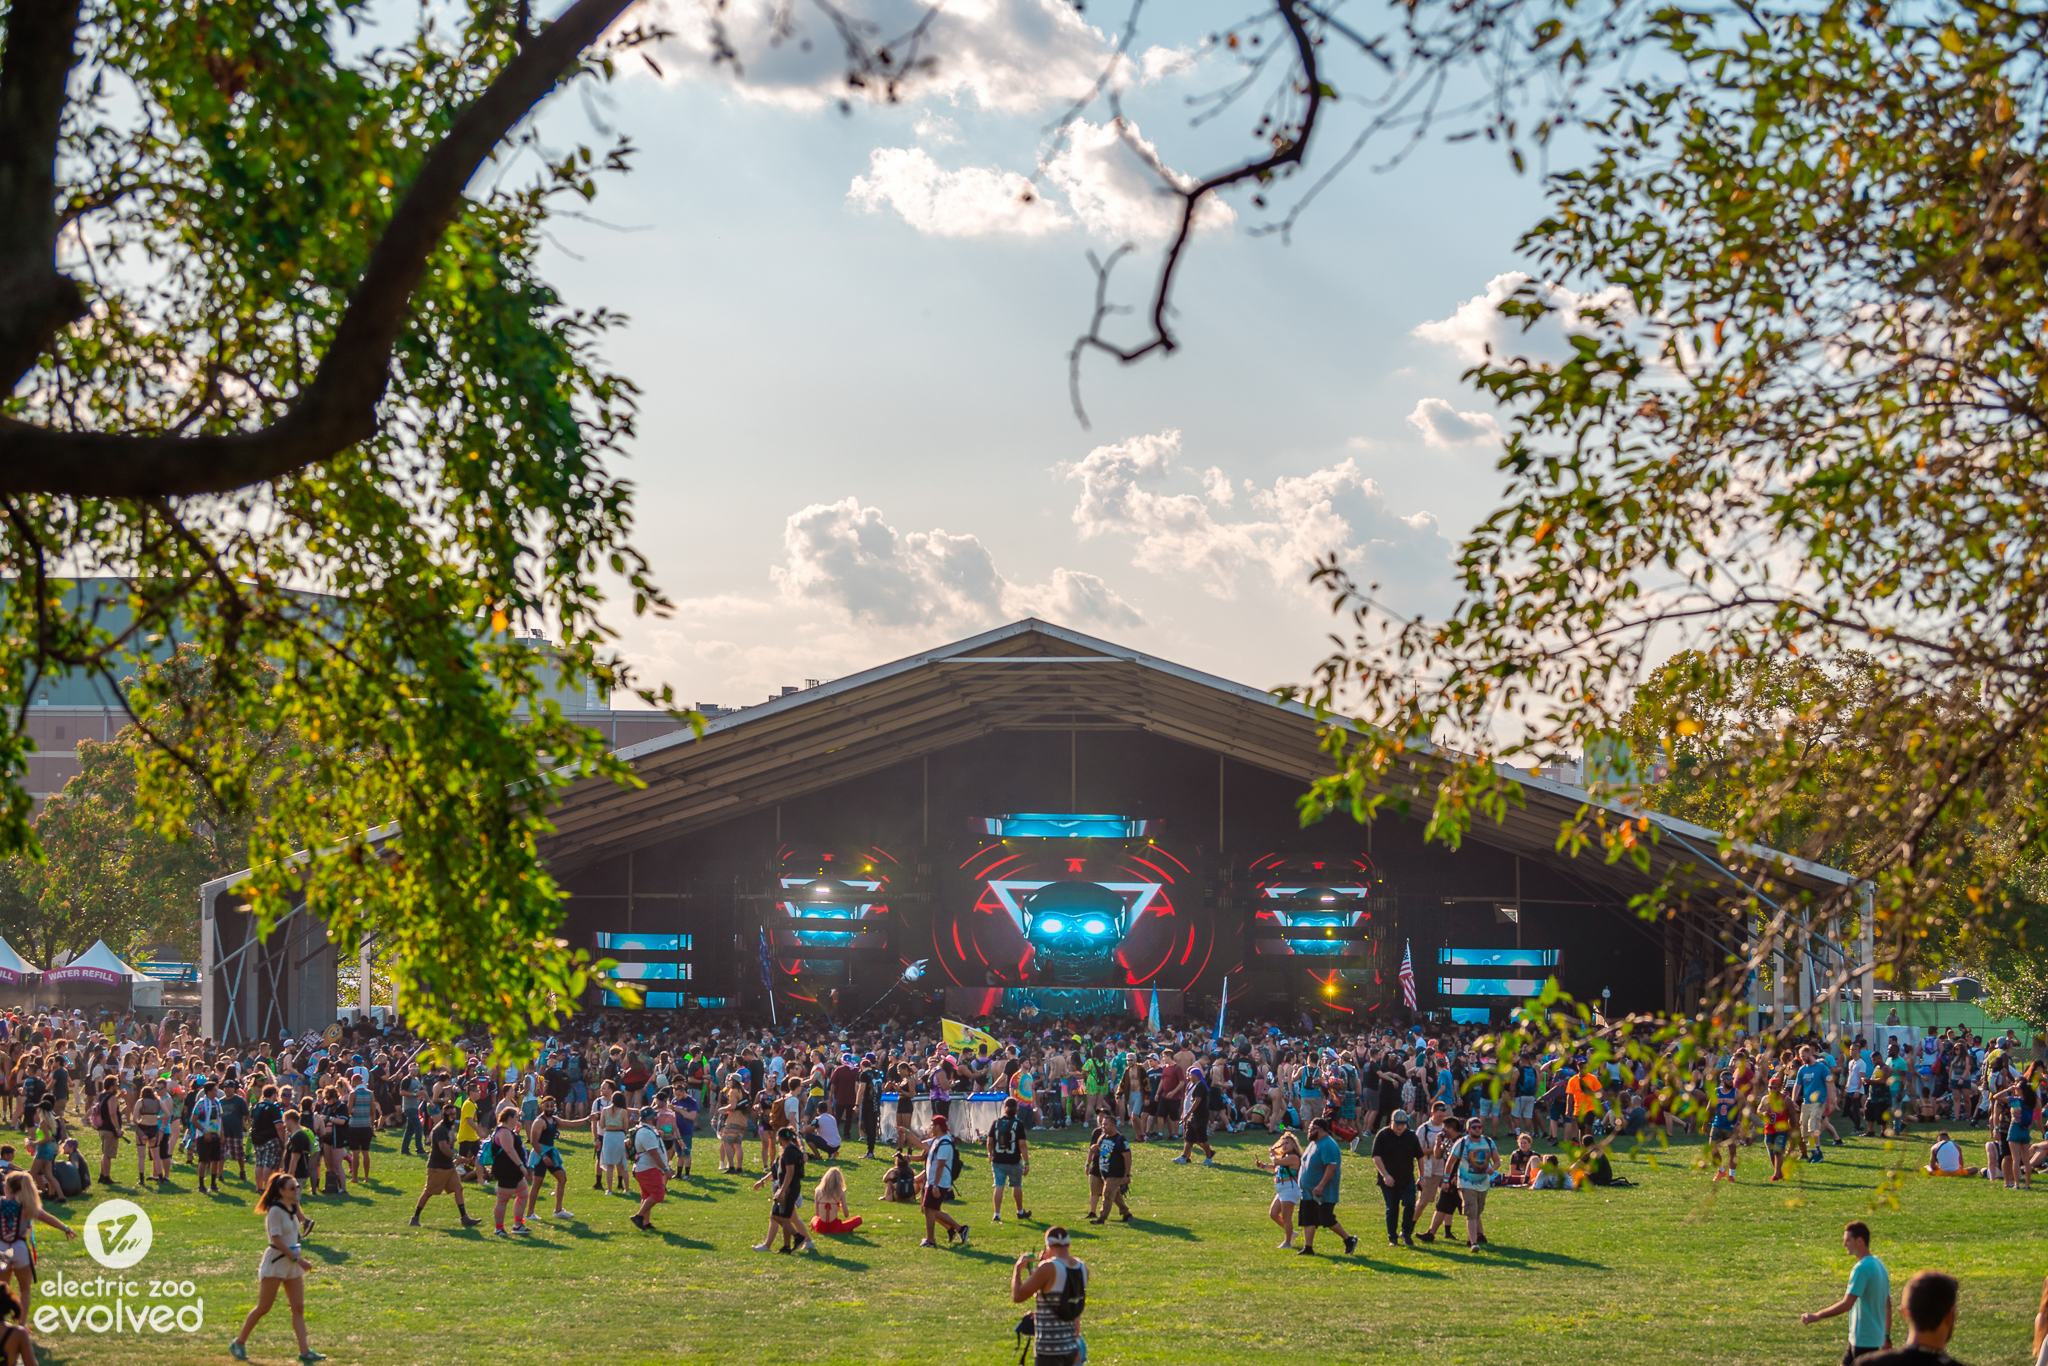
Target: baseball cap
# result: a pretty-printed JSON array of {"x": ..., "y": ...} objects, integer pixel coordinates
[{"x": 1399, "y": 1117}]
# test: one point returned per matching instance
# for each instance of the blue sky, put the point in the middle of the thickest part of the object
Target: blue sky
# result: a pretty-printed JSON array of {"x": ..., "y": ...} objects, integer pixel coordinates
[{"x": 855, "y": 439}]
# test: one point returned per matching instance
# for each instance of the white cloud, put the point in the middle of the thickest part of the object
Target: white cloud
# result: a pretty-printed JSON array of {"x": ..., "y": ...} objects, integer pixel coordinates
[
  {"x": 1478, "y": 324},
  {"x": 1298, "y": 519},
  {"x": 1112, "y": 182},
  {"x": 846, "y": 557},
  {"x": 1443, "y": 426},
  {"x": 972, "y": 202},
  {"x": 1217, "y": 485},
  {"x": 1019, "y": 56}
]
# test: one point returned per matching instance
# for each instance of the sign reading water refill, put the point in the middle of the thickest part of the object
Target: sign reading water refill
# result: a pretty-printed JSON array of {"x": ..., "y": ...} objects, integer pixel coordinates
[{"x": 118, "y": 1236}]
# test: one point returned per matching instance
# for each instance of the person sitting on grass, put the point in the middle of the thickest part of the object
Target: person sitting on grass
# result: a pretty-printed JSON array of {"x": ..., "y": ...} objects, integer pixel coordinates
[
  {"x": 1521, "y": 1162},
  {"x": 1549, "y": 1176},
  {"x": 902, "y": 1184},
  {"x": 1945, "y": 1158},
  {"x": 829, "y": 1209}
]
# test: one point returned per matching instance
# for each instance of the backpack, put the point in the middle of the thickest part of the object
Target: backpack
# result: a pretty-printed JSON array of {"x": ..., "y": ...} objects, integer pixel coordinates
[
  {"x": 1003, "y": 1139},
  {"x": 1066, "y": 1307},
  {"x": 956, "y": 1165}
]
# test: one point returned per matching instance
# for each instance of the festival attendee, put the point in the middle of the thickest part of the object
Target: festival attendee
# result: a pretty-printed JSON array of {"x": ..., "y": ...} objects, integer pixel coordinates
[
  {"x": 1194, "y": 1119},
  {"x": 1058, "y": 1288},
  {"x": 787, "y": 1175},
  {"x": 650, "y": 1168},
  {"x": 610, "y": 1122},
  {"x": 361, "y": 1126},
  {"x": 206, "y": 1124},
  {"x": 938, "y": 1185},
  {"x": 1929, "y": 1303},
  {"x": 544, "y": 1157},
  {"x": 1283, "y": 1159},
  {"x": 1521, "y": 1161},
  {"x": 1867, "y": 1302},
  {"x": 2016, "y": 1138},
  {"x": 108, "y": 1115},
  {"x": 1396, "y": 1155},
  {"x": 1776, "y": 1111},
  {"x": 1114, "y": 1160},
  {"x": 1945, "y": 1158},
  {"x": 441, "y": 1174},
  {"x": 1815, "y": 1082},
  {"x": 266, "y": 1131},
  {"x": 152, "y": 1141},
  {"x": 21, "y": 1209},
  {"x": 1723, "y": 1142},
  {"x": 1473, "y": 1159},
  {"x": 283, "y": 1267},
  {"x": 821, "y": 1135},
  {"x": 829, "y": 1210},
  {"x": 17, "y": 1344},
  {"x": 902, "y": 1182},
  {"x": 1009, "y": 1157},
  {"x": 1321, "y": 1188}
]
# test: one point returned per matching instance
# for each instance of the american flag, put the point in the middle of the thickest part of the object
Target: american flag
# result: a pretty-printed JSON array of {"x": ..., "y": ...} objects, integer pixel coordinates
[{"x": 1407, "y": 977}]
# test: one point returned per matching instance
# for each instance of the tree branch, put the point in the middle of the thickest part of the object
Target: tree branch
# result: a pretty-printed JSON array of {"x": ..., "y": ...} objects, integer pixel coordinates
[
  {"x": 339, "y": 407},
  {"x": 36, "y": 301}
]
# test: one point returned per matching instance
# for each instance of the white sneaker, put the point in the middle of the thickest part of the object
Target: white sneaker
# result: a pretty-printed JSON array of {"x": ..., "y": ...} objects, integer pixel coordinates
[
  {"x": 763, "y": 1247},
  {"x": 563, "y": 1214},
  {"x": 1180, "y": 1162},
  {"x": 997, "y": 1217}
]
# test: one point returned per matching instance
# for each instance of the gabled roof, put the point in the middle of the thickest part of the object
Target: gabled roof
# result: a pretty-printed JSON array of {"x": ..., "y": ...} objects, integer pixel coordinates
[{"x": 1028, "y": 675}]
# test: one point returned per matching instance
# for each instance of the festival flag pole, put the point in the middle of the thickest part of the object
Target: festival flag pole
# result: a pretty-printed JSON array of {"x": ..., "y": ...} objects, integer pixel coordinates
[
  {"x": 1222, "y": 1010},
  {"x": 1152, "y": 1015},
  {"x": 768, "y": 978},
  {"x": 1407, "y": 977}
]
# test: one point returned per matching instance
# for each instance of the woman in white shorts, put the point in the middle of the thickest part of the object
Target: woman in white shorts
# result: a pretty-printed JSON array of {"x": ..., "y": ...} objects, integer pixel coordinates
[
  {"x": 1285, "y": 1164},
  {"x": 283, "y": 1267}
]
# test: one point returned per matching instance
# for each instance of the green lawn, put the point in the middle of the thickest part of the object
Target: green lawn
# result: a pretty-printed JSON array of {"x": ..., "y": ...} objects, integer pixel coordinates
[{"x": 1671, "y": 1271}]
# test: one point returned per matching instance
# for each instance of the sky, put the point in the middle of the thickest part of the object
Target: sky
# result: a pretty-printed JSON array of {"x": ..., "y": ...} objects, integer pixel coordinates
[{"x": 850, "y": 336}]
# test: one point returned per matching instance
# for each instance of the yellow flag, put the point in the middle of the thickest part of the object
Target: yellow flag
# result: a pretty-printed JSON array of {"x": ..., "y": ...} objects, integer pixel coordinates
[{"x": 968, "y": 1039}]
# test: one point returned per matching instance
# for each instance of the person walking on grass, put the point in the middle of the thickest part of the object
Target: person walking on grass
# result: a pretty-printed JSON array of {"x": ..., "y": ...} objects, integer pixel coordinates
[
  {"x": 1114, "y": 1158},
  {"x": 787, "y": 1175},
  {"x": 1058, "y": 1290},
  {"x": 1867, "y": 1301},
  {"x": 939, "y": 1156},
  {"x": 1283, "y": 1159},
  {"x": 441, "y": 1175},
  {"x": 1473, "y": 1160},
  {"x": 1009, "y": 1157},
  {"x": 1194, "y": 1119},
  {"x": 1396, "y": 1155},
  {"x": 650, "y": 1169},
  {"x": 544, "y": 1156},
  {"x": 108, "y": 1114},
  {"x": 1321, "y": 1186},
  {"x": 507, "y": 1167},
  {"x": 282, "y": 1268}
]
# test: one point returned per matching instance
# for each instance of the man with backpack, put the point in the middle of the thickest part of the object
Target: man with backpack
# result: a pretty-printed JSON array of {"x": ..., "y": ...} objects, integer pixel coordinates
[
  {"x": 1112, "y": 1159},
  {"x": 1009, "y": 1157},
  {"x": 1058, "y": 1288},
  {"x": 941, "y": 1163},
  {"x": 206, "y": 1123},
  {"x": 361, "y": 1127}
]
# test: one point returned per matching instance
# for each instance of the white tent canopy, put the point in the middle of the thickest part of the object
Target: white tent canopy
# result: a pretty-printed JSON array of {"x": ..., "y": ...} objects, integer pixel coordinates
[
  {"x": 104, "y": 959},
  {"x": 10, "y": 961}
]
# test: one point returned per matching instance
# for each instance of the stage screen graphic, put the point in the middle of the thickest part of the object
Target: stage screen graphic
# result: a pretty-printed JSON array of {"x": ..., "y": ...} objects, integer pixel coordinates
[
  {"x": 1315, "y": 908},
  {"x": 1091, "y": 911},
  {"x": 1489, "y": 986},
  {"x": 1497, "y": 958},
  {"x": 831, "y": 910}
]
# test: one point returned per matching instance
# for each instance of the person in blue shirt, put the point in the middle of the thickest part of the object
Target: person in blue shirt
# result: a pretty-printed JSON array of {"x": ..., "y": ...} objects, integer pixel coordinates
[
  {"x": 1868, "y": 1300},
  {"x": 1815, "y": 1084},
  {"x": 1321, "y": 1186}
]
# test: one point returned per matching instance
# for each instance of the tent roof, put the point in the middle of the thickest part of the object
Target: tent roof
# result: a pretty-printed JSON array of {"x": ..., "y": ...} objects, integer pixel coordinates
[
  {"x": 1031, "y": 675},
  {"x": 12, "y": 961},
  {"x": 106, "y": 960}
]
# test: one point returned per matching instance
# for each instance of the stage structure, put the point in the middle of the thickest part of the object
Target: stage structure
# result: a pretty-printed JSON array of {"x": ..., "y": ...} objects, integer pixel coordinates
[
  {"x": 1053, "y": 824},
  {"x": 1038, "y": 822}
]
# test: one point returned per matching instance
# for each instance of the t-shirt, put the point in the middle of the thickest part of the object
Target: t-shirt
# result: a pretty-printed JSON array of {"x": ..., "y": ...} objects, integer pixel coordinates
[
  {"x": 299, "y": 1154},
  {"x": 466, "y": 1131},
  {"x": 1472, "y": 1157},
  {"x": 1812, "y": 1080},
  {"x": 233, "y": 1111},
  {"x": 1323, "y": 1156},
  {"x": 266, "y": 1121},
  {"x": 1871, "y": 1285},
  {"x": 845, "y": 1084},
  {"x": 828, "y": 1129},
  {"x": 1584, "y": 1091},
  {"x": 1858, "y": 1070},
  {"x": 1948, "y": 1155},
  {"x": 1399, "y": 1151},
  {"x": 1777, "y": 1113},
  {"x": 647, "y": 1143},
  {"x": 938, "y": 1164},
  {"x": 790, "y": 1167},
  {"x": 1908, "y": 1356},
  {"x": 686, "y": 1116}
]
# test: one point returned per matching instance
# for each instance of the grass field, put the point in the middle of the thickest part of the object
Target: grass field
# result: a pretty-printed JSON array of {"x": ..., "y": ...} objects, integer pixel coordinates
[{"x": 1670, "y": 1271}]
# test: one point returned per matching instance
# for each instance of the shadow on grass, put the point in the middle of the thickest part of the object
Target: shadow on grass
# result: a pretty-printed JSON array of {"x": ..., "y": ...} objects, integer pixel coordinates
[
  {"x": 1144, "y": 1225},
  {"x": 332, "y": 1256},
  {"x": 1392, "y": 1268},
  {"x": 1520, "y": 1257},
  {"x": 678, "y": 1240}
]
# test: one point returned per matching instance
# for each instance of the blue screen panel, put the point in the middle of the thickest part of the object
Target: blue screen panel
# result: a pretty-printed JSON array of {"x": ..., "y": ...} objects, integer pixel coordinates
[
  {"x": 645, "y": 943},
  {"x": 1489, "y": 986},
  {"x": 650, "y": 972},
  {"x": 1470, "y": 1015},
  {"x": 1063, "y": 825},
  {"x": 1497, "y": 958},
  {"x": 653, "y": 1000}
]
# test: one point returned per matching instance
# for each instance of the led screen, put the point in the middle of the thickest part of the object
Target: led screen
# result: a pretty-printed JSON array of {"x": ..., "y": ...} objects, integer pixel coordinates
[
  {"x": 1470, "y": 1015},
  {"x": 1489, "y": 986},
  {"x": 1063, "y": 825},
  {"x": 652, "y": 972},
  {"x": 1317, "y": 908},
  {"x": 1497, "y": 958},
  {"x": 1072, "y": 912},
  {"x": 645, "y": 943}
]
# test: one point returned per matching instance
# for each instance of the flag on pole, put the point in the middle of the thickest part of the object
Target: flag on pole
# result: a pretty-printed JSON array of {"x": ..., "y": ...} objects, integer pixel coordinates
[
  {"x": 1152, "y": 1015},
  {"x": 1222, "y": 1010},
  {"x": 1407, "y": 977},
  {"x": 768, "y": 977},
  {"x": 967, "y": 1038}
]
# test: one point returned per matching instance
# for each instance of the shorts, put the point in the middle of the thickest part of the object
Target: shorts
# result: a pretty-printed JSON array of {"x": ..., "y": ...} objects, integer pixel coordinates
[
  {"x": 1486, "y": 1107},
  {"x": 1557, "y": 1112},
  {"x": 268, "y": 1154},
  {"x": 1316, "y": 1214},
  {"x": 2018, "y": 1135},
  {"x": 506, "y": 1173},
  {"x": 653, "y": 1184},
  {"x": 934, "y": 1198},
  {"x": 231, "y": 1148},
  {"x": 786, "y": 1209},
  {"x": 1852, "y": 1106},
  {"x": 1287, "y": 1192},
  {"x": 469, "y": 1148},
  {"x": 1007, "y": 1174},
  {"x": 357, "y": 1140},
  {"x": 209, "y": 1147},
  {"x": 1447, "y": 1201},
  {"x": 1776, "y": 1142},
  {"x": 545, "y": 1160},
  {"x": 443, "y": 1181},
  {"x": 1813, "y": 1116},
  {"x": 110, "y": 1142},
  {"x": 1525, "y": 1107},
  {"x": 1197, "y": 1132},
  {"x": 579, "y": 1094},
  {"x": 1474, "y": 1201}
]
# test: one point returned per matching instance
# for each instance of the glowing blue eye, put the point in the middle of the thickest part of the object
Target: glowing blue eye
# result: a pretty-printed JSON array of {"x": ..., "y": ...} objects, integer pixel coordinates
[
  {"x": 1052, "y": 924},
  {"x": 1096, "y": 926}
]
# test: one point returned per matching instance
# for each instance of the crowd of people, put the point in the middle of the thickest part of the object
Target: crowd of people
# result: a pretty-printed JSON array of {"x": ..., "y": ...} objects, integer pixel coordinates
[{"x": 1435, "y": 1124}]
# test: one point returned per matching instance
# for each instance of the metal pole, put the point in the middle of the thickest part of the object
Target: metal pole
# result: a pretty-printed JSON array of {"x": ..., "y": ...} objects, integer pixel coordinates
[
  {"x": 1867, "y": 956},
  {"x": 207, "y": 951},
  {"x": 363, "y": 978}
]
